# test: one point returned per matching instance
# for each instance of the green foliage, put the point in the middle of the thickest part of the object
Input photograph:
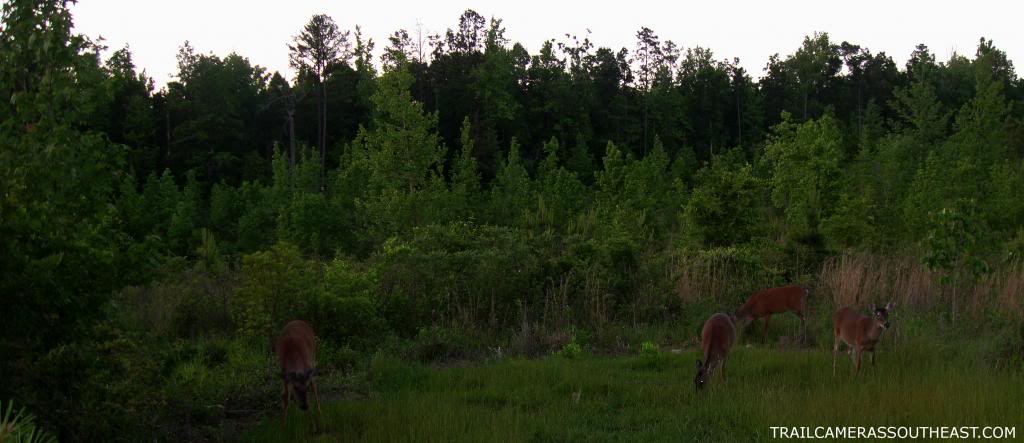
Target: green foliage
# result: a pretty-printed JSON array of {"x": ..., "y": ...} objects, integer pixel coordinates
[
  {"x": 20, "y": 426},
  {"x": 277, "y": 286},
  {"x": 952, "y": 243},
  {"x": 725, "y": 207},
  {"x": 571, "y": 350},
  {"x": 58, "y": 176},
  {"x": 466, "y": 273},
  {"x": 404, "y": 154},
  {"x": 648, "y": 348},
  {"x": 805, "y": 165},
  {"x": 512, "y": 191},
  {"x": 580, "y": 161},
  {"x": 465, "y": 182},
  {"x": 186, "y": 218},
  {"x": 560, "y": 194},
  {"x": 212, "y": 119},
  {"x": 852, "y": 224}
]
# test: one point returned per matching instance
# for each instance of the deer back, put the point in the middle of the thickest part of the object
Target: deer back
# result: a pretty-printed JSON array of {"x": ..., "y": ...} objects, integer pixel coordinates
[
  {"x": 717, "y": 337},
  {"x": 296, "y": 348},
  {"x": 774, "y": 301}
]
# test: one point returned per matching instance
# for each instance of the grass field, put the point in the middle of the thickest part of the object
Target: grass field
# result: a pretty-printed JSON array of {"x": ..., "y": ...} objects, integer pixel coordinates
[{"x": 651, "y": 397}]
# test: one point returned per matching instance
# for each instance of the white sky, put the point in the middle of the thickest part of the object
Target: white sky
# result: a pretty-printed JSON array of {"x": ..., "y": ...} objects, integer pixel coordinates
[{"x": 750, "y": 30}]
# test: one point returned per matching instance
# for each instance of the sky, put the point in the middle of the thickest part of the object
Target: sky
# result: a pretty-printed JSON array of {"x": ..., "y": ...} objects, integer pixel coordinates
[{"x": 750, "y": 30}]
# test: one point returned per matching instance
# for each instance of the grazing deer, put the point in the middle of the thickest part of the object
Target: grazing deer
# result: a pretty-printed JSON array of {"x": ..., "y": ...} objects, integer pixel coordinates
[
  {"x": 296, "y": 351},
  {"x": 860, "y": 332},
  {"x": 717, "y": 337},
  {"x": 775, "y": 301}
]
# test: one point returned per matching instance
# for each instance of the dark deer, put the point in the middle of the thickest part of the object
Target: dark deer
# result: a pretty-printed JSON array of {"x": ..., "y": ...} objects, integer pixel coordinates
[
  {"x": 296, "y": 351},
  {"x": 775, "y": 301},
  {"x": 860, "y": 332},
  {"x": 717, "y": 337}
]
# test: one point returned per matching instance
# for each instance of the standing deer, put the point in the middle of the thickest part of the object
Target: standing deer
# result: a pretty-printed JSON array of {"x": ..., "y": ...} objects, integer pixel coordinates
[
  {"x": 775, "y": 301},
  {"x": 717, "y": 337},
  {"x": 296, "y": 351},
  {"x": 860, "y": 332}
]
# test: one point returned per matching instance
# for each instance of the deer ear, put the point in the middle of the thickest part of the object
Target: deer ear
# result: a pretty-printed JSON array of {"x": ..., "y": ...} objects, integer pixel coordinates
[
  {"x": 874, "y": 307},
  {"x": 889, "y": 306}
]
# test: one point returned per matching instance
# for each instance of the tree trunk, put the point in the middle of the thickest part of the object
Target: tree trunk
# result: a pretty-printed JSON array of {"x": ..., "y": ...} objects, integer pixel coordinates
[
  {"x": 644, "y": 150},
  {"x": 167, "y": 127},
  {"x": 739, "y": 122},
  {"x": 291, "y": 136},
  {"x": 323, "y": 136},
  {"x": 805, "y": 104}
]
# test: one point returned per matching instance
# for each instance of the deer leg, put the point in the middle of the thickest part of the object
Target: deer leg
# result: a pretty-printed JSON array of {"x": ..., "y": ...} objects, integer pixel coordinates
[
  {"x": 835, "y": 353},
  {"x": 872, "y": 358},
  {"x": 856, "y": 360},
  {"x": 766, "y": 318},
  {"x": 724, "y": 359},
  {"x": 316, "y": 396},
  {"x": 287, "y": 396},
  {"x": 803, "y": 327}
]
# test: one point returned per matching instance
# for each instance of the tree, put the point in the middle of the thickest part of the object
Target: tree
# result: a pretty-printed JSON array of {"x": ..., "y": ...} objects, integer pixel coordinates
[
  {"x": 404, "y": 156},
  {"x": 815, "y": 64},
  {"x": 465, "y": 180},
  {"x": 650, "y": 59},
  {"x": 724, "y": 208},
  {"x": 58, "y": 177},
  {"x": 214, "y": 124},
  {"x": 804, "y": 160},
  {"x": 512, "y": 190},
  {"x": 315, "y": 49},
  {"x": 952, "y": 246}
]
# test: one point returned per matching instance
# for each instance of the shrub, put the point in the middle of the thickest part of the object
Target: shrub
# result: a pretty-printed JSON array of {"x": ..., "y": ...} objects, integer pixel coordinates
[
  {"x": 469, "y": 275},
  {"x": 571, "y": 350},
  {"x": 648, "y": 348},
  {"x": 277, "y": 286},
  {"x": 352, "y": 320}
]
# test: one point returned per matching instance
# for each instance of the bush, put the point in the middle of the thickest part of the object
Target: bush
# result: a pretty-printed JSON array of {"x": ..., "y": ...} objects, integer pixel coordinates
[
  {"x": 277, "y": 286},
  {"x": 104, "y": 387},
  {"x": 461, "y": 273},
  {"x": 438, "y": 344},
  {"x": 352, "y": 320},
  {"x": 648, "y": 348},
  {"x": 571, "y": 350},
  {"x": 207, "y": 379}
]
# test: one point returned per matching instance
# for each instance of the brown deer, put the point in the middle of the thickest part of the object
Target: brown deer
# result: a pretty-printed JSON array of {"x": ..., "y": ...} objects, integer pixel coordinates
[
  {"x": 296, "y": 351},
  {"x": 775, "y": 301},
  {"x": 717, "y": 337},
  {"x": 860, "y": 332}
]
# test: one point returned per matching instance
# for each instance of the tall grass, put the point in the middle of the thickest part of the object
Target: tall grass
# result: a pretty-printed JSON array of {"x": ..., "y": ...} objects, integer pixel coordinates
[{"x": 856, "y": 279}]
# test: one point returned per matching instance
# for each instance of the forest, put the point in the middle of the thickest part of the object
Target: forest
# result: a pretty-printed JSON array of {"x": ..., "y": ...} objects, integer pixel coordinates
[{"x": 459, "y": 199}]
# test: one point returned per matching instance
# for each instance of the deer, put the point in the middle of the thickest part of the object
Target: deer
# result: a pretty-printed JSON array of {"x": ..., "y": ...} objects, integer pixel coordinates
[
  {"x": 860, "y": 332},
  {"x": 775, "y": 301},
  {"x": 296, "y": 351},
  {"x": 717, "y": 337}
]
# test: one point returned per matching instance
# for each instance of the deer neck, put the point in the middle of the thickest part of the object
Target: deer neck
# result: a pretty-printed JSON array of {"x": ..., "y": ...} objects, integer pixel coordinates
[{"x": 873, "y": 333}]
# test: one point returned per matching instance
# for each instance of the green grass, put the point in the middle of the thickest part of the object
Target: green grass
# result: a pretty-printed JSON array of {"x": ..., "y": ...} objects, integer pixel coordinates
[{"x": 652, "y": 397}]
